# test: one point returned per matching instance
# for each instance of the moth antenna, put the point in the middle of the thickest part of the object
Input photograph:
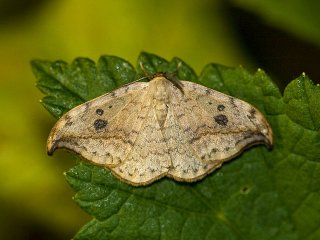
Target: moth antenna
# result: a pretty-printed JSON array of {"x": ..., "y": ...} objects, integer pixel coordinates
[
  {"x": 145, "y": 72},
  {"x": 179, "y": 65},
  {"x": 176, "y": 71},
  {"x": 140, "y": 79},
  {"x": 178, "y": 83},
  {"x": 174, "y": 78}
]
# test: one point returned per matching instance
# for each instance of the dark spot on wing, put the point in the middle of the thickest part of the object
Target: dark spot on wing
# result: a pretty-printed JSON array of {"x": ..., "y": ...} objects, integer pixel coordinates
[
  {"x": 213, "y": 150},
  {"x": 100, "y": 124},
  {"x": 99, "y": 111},
  {"x": 69, "y": 123},
  {"x": 210, "y": 103},
  {"x": 221, "y": 119},
  {"x": 232, "y": 101},
  {"x": 221, "y": 107},
  {"x": 130, "y": 142},
  {"x": 252, "y": 114},
  {"x": 110, "y": 106},
  {"x": 180, "y": 115},
  {"x": 86, "y": 105},
  {"x": 134, "y": 131}
]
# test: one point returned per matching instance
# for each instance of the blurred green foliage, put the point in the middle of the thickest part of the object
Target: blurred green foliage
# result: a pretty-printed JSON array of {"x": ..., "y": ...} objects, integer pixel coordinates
[{"x": 34, "y": 199}]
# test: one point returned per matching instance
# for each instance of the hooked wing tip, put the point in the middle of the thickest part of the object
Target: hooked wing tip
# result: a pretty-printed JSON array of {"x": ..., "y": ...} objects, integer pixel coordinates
[
  {"x": 268, "y": 137},
  {"x": 268, "y": 143},
  {"x": 51, "y": 147}
]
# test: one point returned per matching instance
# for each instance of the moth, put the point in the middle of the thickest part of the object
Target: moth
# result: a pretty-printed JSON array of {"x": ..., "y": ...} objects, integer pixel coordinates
[{"x": 144, "y": 131}]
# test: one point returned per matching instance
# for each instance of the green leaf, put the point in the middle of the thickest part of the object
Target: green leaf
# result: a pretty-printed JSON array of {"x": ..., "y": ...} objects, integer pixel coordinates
[
  {"x": 302, "y": 102},
  {"x": 259, "y": 195}
]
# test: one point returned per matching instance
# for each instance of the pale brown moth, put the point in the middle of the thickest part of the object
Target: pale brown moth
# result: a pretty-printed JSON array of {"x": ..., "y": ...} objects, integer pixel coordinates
[{"x": 144, "y": 131}]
